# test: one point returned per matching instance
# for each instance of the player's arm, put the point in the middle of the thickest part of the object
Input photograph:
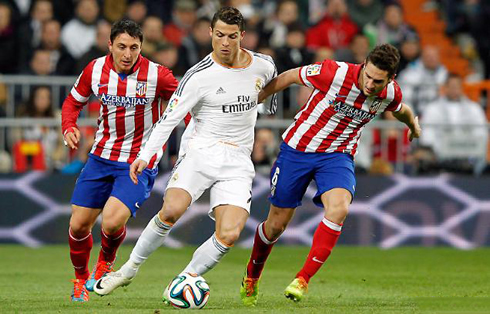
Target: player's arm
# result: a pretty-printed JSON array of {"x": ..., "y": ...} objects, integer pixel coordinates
[
  {"x": 406, "y": 115},
  {"x": 72, "y": 106},
  {"x": 281, "y": 82},
  {"x": 181, "y": 102}
]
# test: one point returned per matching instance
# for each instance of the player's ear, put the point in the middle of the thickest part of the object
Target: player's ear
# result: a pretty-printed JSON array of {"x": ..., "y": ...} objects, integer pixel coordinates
[
  {"x": 109, "y": 44},
  {"x": 210, "y": 31}
]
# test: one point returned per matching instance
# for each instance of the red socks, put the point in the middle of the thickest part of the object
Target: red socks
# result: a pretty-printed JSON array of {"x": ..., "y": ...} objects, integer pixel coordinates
[
  {"x": 261, "y": 250},
  {"x": 80, "y": 254},
  {"x": 324, "y": 240},
  {"x": 110, "y": 243}
]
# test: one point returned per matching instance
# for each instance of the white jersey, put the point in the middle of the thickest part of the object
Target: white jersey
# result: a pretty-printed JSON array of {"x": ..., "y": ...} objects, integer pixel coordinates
[{"x": 222, "y": 102}]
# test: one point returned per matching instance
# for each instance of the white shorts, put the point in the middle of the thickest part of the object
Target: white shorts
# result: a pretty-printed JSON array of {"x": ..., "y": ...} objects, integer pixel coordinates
[{"x": 226, "y": 169}]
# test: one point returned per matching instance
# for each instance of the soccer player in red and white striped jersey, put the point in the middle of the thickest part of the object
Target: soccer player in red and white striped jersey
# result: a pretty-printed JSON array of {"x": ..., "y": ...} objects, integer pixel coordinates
[
  {"x": 321, "y": 144},
  {"x": 133, "y": 92}
]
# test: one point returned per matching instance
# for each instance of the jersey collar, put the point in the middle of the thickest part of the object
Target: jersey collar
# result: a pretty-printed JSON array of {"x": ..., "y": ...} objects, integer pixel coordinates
[{"x": 135, "y": 68}]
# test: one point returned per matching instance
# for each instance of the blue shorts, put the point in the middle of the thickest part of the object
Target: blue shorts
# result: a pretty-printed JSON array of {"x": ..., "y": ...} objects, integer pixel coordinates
[
  {"x": 293, "y": 171},
  {"x": 101, "y": 178}
]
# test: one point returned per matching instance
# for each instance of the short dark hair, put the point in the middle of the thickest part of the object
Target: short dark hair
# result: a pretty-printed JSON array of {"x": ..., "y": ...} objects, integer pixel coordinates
[
  {"x": 128, "y": 26},
  {"x": 385, "y": 57},
  {"x": 230, "y": 16}
]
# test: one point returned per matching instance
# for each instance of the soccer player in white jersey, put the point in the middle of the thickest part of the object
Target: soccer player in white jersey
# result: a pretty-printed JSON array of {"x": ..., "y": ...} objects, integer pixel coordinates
[
  {"x": 221, "y": 94},
  {"x": 132, "y": 91},
  {"x": 320, "y": 145}
]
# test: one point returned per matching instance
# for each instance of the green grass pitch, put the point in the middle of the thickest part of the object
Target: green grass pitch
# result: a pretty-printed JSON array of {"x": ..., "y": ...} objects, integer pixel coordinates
[{"x": 354, "y": 280}]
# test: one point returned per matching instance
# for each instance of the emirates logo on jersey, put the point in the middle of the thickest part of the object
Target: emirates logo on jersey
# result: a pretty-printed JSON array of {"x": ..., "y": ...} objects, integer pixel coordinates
[{"x": 141, "y": 89}]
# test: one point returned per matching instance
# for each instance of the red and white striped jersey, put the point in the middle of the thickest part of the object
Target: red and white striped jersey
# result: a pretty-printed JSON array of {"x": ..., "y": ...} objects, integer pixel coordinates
[
  {"x": 130, "y": 106},
  {"x": 337, "y": 111}
]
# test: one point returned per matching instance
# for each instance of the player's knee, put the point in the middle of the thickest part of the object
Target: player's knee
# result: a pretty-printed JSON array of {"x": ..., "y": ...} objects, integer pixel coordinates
[
  {"x": 228, "y": 237},
  {"x": 80, "y": 228},
  {"x": 170, "y": 212},
  {"x": 111, "y": 227},
  {"x": 274, "y": 229},
  {"x": 339, "y": 208}
]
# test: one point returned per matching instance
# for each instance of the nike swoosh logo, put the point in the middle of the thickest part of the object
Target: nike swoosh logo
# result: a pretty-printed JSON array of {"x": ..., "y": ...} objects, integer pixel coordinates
[
  {"x": 317, "y": 260},
  {"x": 137, "y": 205},
  {"x": 253, "y": 261},
  {"x": 97, "y": 285},
  {"x": 102, "y": 85}
]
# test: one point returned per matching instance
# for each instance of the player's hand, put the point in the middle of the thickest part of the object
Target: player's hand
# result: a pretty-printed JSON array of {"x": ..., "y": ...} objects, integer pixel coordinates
[
  {"x": 72, "y": 138},
  {"x": 415, "y": 130},
  {"x": 136, "y": 169}
]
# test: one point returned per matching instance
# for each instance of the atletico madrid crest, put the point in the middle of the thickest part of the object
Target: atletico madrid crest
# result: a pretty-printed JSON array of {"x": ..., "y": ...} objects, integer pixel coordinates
[
  {"x": 375, "y": 105},
  {"x": 141, "y": 89}
]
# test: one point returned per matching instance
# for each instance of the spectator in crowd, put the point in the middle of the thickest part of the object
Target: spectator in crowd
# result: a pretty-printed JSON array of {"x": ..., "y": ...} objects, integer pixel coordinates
[
  {"x": 183, "y": 18},
  {"x": 481, "y": 33},
  {"x": 114, "y": 10},
  {"x": 422, "y": 79},
  {"x": 40, "y": 64},
  {"x": 391, "y": 29},
  {"x": 197, "y": 44},
  {"x": 252, "y": 40},
  {"x": 8, "y": 40},
  {"x": 153, "y": 34},
  {"x": 363, "y": 12},
  {"x": 62, "y": 63},
  {"x": 274, "y": 30},
  {"x": 357, "y": 51},
  {"x": 99, "y": 49},
  {"x": 44, "y": 142},
  {"x": 41, "y": 11},
  {"x": 264, "y": 150},
  {"x": 78, "y": 35},
  {"x": 137, "y": 11},
  {"x": 294, "y": 53},
  {"x": 335, "y": 30},
  {"x": 167, "y": 55},
  {"x": 409, "y": 50},
  {"x": 459, "y": 134}
]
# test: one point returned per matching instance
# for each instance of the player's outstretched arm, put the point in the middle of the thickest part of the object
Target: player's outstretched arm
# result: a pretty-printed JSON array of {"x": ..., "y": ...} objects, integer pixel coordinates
[
  {"x": 136, "y": 169},
  {"x": 405, "y": 115},
  {"x": 281, "y": 82}
]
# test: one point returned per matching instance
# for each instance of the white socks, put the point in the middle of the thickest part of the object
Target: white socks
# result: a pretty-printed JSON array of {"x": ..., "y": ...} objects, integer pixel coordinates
[
  {"x": 150, "y": 239},
  {"x": 207, "y": 256}
]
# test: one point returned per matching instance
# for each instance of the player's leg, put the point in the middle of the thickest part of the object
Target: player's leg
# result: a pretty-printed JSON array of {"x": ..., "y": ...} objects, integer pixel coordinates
[
  {"x": 89, "y": 196},
  {"x": 230, "y": 221},
  {"x": 336, "y": 183},
  {"x": 112, "y": 233},
  {"x": 266, "y": 236},
  {"x": 80, "y": 241},
  {"x": 175, "y": 203},
  {"x": 290, "y": 177}
]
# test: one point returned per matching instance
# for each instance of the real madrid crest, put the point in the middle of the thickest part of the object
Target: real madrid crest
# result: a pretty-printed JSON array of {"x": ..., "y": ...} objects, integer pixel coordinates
[{"x": 258, "y": 84}]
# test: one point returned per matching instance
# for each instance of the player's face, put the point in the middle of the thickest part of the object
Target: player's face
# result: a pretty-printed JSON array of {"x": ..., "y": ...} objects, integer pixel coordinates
[
  {"x": 373, "y": 80},
  {"x": 226, "y": 41},
  {"x": 125, "y": 51}
]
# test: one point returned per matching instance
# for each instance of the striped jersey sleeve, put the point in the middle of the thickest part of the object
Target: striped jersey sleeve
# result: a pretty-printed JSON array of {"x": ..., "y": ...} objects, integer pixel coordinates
[
  {"x": 319, "y": 75},
  {"x": 396, "y": 103}
]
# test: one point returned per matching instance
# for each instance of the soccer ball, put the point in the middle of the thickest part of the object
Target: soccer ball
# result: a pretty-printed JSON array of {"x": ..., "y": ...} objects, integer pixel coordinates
[{"x": 187, "y": 291}]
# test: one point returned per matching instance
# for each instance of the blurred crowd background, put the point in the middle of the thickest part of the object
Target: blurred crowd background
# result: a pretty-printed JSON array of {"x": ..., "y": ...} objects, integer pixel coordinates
[{"x": 444, "y": 44}]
